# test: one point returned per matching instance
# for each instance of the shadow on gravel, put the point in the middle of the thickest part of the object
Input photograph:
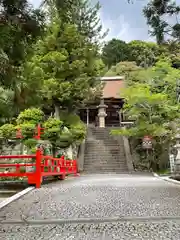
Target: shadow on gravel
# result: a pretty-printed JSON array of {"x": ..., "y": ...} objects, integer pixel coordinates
[{"x": 177, "y": 178}]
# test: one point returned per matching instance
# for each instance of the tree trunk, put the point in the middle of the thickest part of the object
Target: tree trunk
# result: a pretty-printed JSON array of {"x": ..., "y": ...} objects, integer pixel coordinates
[
  {"x": 54, "y": 150},
  {"x": 57, "y": 112}
]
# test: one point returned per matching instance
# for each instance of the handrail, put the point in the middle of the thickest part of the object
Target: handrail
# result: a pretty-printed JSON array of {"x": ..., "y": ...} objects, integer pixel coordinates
[{"x": 55, "y": 167}]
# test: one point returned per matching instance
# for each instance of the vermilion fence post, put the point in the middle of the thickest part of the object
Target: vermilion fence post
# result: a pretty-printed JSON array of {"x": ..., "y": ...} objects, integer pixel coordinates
[{"x": 38, "y": 168}]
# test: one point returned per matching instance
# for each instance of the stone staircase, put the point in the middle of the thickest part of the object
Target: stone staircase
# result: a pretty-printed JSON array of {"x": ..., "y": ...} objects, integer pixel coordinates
[{"x": 104, "y": 153}]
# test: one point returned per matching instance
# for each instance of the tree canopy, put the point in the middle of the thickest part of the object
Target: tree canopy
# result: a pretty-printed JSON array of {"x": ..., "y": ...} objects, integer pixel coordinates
[
  {"x": 151, "y": 103},
  {"x": 156, "y": 13},
  {"x": 52, "y": 59}
]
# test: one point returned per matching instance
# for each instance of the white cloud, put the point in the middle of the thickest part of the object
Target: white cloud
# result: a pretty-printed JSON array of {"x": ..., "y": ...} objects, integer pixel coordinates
[{"x": 118, "y": 27}]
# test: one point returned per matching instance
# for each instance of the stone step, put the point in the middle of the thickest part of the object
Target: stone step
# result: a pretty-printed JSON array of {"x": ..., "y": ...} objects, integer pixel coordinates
[
  {"x": 107, "y": 150},
  {"x": 90, "y": 161},
  {"x": 101, "y": 163},
  {"x": 105, "y": 169},
  {"x": 104, "y": 158},
  {"x": 121, "y": 165},
  {"x": 94, "y": 161},
  {"x": 110, "y": 158},
  {"x": 106, "y": 172},
  {"x": 103, "y": 142},
  {"x": 105, "y": 164},
  {"x": 104, "y": 153}
]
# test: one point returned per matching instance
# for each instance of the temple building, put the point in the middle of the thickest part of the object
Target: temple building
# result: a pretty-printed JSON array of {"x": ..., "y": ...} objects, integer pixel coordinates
[{"x": 108, "y": 111}]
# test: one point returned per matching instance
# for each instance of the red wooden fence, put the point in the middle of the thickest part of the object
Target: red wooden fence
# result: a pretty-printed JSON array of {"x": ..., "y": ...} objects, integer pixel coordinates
[{"x": 43, "y": 166}]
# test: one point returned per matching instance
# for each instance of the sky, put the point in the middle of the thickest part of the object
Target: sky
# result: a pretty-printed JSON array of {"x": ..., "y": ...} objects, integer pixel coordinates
[{"x": 124, "y": 21}]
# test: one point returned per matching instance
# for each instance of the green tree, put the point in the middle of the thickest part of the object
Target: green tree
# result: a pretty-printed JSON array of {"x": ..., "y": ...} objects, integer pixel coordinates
[
  {"x": 6, "y": 104},
  {"x": 20, "y": 27},
  {"x": 115, "y": 51},
  {"x": 81, "y": 13},
  {"x": 155, "y": 13},
  {"x": 54, "y": 132},
  {"x": 28, "y": 120},
  {"x": 152, "y": 104},
  {"x": 70, "y": 63},
  {"x": 123, "y": 69},
  {"x": 143, "y": 53}
]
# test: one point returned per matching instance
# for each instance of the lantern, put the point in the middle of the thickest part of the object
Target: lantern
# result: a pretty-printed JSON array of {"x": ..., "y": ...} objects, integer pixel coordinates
[{"x": 147, "y": 142}]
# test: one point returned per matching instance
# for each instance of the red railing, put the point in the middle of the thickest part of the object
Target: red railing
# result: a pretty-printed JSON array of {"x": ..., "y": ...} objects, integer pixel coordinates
[{"x": 43, "y": 166}]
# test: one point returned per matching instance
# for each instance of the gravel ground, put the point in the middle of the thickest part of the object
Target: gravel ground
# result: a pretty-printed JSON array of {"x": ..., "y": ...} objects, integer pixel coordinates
[{"x": 94, "y": 196}]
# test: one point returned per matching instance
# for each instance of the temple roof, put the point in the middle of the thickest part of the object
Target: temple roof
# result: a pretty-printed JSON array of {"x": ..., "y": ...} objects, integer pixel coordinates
[{"x": 112, "y": 86}]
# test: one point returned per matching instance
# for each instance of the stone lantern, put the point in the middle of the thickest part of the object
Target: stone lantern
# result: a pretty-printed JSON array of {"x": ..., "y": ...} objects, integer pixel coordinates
[{"x": 102, "y": 113}]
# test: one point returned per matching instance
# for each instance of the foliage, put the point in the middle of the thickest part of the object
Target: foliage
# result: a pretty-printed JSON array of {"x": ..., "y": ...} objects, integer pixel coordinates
[
  {"x": 6, "y": 102},
  {"x": 81, "y": 13},
  {"x": 7, "y": 131},
  {"x": 27, "y": 121},
  {"x": 20, "y": 27},
  {"x": 152, "y": 112},
  {"x": 68, "y": 55},
  {"x": 69, "y": 66},
  {"x": 53, "y": 132},
  {"x": 27, "y": 130},
  {"x": 61, "y": 133},
  {"x": 31, "y": 143},
  {"x": 74, "y": 124},
  {"x": 78, "y": 132},
  {"x": 53, "y": 128},
  {"x": 115, "y": 51},
  {"x": 53, "y": 123},
  {"x": 123, "y": 69},
  {"x": 152, "y": 104},
  {"x": 156, "y": 12},
  {"x": 143, "y": 53},
  {"x": 69, "y": 119},
  {"x": 31, "y": 115}
]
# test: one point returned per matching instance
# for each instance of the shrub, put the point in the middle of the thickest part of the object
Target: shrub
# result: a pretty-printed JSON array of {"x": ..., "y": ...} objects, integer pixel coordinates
[
  {"x": 7, "y": 131},
  {"x": 31, "y": 115},
  {"x": 30, "y": 143},
  {"x": 27, "y": 129}
]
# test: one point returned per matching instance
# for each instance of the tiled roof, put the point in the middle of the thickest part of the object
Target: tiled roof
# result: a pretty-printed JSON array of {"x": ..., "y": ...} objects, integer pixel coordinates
[{"x": 112, "y": 87}]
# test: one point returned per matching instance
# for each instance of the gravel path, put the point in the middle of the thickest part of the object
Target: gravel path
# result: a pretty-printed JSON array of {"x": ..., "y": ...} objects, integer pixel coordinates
[{"x": 98, "y": 196}]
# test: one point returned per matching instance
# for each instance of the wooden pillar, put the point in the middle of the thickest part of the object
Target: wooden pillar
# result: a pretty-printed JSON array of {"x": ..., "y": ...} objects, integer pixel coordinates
[
  {"x": 87, "y": 116},
  {"x": 120, "y": 117}
]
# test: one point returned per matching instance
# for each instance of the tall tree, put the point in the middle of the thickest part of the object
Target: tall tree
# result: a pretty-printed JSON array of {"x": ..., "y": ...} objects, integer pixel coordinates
[
  {"x": 114, "y": 52},
  {"x": 155, "y": 13},
  {"x": 20, "y": 26},
  {"x": 143, "y": 53},
  {"x": 69, "y": 58},
  {"x": 152, "y": 104},
  {"x": 81, "y": 13}
]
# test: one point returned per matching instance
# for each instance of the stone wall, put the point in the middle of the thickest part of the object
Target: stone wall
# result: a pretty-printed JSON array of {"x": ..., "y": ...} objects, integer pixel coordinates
[{"x": 20, "y": 149}]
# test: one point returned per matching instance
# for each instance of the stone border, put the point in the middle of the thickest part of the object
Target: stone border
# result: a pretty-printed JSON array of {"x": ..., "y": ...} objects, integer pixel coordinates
[
  {"x": 128, "y": 156},
  {"x": 167, "y": 178},
  {"x": 13, "y": 184},
  {"x": 15, "y": 197}
]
